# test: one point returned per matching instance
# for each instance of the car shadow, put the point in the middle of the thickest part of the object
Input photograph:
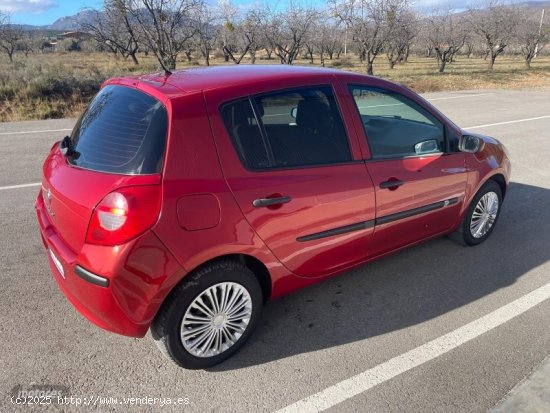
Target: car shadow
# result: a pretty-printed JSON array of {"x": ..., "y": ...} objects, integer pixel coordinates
[{"x": 404, "y": 289}]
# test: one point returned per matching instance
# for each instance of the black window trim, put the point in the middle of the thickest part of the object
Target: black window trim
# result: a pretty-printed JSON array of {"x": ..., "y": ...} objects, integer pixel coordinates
[
  {"x": 446, "y": 143},
  {"x": 251, "y": 98}
]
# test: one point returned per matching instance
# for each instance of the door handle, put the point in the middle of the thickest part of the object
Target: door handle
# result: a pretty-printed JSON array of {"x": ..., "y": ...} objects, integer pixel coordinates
[
  {"x": 391, "y": 184},
  {"x": 266, "y": 202}
]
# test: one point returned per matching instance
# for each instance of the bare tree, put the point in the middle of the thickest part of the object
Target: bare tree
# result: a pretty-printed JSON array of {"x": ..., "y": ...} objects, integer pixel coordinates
[
  {"x": 402, "y": 29},
  {"x": 532, "y": 34},
  {"x": 286, "y": 31},
  {"x": 334, "y": 38},
  {"x": 496, "y": 25},
  {"x": 240, "y": 34},
  {"x": 10, "y": 35},
  {"x": 26, "y": 44},
  {"x": 207, "y": 31},
  {"x": 446, "y": 34},
  {"x": 368, "y": 21},
  {"x": 167, "y": 26},
  {"x": 114, "y": 28}
]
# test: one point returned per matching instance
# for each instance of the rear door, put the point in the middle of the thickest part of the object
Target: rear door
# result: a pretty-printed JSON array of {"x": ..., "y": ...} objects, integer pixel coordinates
[
  {"x": 296, "y": 176},
  {"x": 419, "y": 183}
]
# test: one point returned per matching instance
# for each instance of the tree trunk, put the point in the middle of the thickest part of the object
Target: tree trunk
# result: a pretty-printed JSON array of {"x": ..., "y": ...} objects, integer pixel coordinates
[
  {"x": 252, "y": 56},
  {"x": 441, "y": 65},
  {"x": 369, "y": 68},
  {"x": 491, "y": 62},
  {"x": 134, "y": 58},
  {"x": 391, "y": 63},
  {"x": 528, "y": 62},
  {"x": 10, "y": 55}
]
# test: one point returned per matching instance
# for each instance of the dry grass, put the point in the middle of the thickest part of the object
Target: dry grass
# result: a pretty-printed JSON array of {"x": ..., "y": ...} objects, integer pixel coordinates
[{"x": 58, "y": 85}]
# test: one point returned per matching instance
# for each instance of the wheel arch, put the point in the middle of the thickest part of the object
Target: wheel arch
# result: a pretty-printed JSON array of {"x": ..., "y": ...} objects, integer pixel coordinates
[
  {"x": 257, "y": 267},
  {"x": 500, "y": 180}
]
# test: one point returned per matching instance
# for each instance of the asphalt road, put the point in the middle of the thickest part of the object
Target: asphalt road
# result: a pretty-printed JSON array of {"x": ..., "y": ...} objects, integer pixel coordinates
[{"x": 314, "y": 339}]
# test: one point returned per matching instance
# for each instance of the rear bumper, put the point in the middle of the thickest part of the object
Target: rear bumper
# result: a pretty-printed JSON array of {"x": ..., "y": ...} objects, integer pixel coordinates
[{"x": 131, "y": 280}]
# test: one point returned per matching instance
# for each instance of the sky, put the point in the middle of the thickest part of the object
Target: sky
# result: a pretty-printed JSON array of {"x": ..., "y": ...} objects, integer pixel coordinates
[{"x": 44, "y": 12}]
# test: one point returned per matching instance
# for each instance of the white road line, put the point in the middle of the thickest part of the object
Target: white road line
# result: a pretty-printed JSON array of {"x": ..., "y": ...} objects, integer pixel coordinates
[
  {"x": 20, "y": 186},
  {"x": 34, "y": 131},
  {"x": 362, "y": 382},
  {"x": 507, "y": 122},
  {"x": 460, "y": 96}
]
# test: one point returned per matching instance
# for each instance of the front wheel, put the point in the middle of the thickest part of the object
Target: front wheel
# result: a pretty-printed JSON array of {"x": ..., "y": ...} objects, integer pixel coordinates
[
  {"x": 482, "y": 215},
  {"x": 209, "y": 316}
]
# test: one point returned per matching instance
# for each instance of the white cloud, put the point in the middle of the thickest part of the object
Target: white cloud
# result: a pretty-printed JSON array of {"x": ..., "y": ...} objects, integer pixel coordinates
[{"x": 26, "y": 6}]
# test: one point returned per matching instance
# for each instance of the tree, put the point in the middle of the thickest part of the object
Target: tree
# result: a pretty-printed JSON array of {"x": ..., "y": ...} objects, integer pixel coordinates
[
  {"x": 166, "y": 26},
  {"x": 286, "y": 31},
  {"x": 206, "y": 32},
  {"x": 26, "y": 44},
  {"x": 402, "y": 29},
  {"x": 114, "y": 28},
  {"x": 369, "y": 21},
  {"x": 496, "y": 25},
  {"x": 240, "y": 34},
  {"x": 532, "y": 34},
  {"x": 446, "y": 33},
  {"x": 10, "y": 35}
]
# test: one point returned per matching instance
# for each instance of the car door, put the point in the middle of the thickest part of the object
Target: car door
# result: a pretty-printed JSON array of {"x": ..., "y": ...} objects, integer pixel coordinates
[
  {"x": 419, "y": 184},
  {"x": 298, "y": 179}
]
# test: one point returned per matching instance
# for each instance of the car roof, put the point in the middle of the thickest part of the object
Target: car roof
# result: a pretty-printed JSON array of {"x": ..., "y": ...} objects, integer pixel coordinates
[{"x": 216, "y": 77}]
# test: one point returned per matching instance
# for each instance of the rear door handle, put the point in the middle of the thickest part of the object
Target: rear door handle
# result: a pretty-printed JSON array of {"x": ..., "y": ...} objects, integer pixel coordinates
[
  {"x": 392, "y": 183},
  {"x": 266, "y": 202}
]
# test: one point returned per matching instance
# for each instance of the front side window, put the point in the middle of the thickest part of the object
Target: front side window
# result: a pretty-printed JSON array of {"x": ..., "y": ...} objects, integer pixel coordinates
[
  {"x": 301, "y": 127},
  {"x": 395, "y": 125}
]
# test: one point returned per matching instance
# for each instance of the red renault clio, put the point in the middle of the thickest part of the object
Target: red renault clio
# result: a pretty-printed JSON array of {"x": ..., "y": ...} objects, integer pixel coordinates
[{"x": 182, "y": 202}]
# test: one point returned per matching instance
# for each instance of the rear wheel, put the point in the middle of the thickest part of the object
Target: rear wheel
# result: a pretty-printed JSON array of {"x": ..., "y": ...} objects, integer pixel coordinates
[
  {"x": 209, "y": 317},
  {"x": 482, "y": 215}
]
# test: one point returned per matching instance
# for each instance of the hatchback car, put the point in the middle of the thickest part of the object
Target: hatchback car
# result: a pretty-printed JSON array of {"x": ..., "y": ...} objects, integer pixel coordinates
[{"x": 182, "y": 202}]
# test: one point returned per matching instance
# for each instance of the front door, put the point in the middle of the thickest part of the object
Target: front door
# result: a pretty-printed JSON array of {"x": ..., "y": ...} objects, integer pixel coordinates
[{"x": 419, "y": 185}]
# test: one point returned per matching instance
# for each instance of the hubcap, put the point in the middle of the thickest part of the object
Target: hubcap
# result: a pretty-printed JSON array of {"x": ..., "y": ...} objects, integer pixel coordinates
[
  {"x": 484, "y": 215},
  {"x": 216, "y": 319}
]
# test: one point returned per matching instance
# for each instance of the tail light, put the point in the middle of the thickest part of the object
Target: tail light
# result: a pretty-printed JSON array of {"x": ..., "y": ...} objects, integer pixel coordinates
[{"x": 124, "y": 214}]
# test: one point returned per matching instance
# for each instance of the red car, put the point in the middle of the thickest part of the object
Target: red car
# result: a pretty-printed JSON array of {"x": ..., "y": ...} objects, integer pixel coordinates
[{"x": 182, "y": 202}]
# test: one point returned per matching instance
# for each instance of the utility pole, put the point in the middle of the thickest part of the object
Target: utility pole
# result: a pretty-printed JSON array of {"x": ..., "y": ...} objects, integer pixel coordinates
[{"x": 540, "y": 31}]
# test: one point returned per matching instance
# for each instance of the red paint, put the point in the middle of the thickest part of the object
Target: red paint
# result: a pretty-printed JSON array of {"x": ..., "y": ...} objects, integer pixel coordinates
[{"x": 206, "y": 195}]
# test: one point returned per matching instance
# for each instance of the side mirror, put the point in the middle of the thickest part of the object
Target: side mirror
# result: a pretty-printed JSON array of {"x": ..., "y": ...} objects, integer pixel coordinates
[
  {"x": 470, "y": 144},
  {"x": 294, "y": 112},
  {"x": 425, "y": 147}
]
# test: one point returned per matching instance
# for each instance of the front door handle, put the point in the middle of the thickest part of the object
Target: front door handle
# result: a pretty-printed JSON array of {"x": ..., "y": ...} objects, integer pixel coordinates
[
  {"x": 391, "y": 184},
  {"x": 267, "y": 202}
]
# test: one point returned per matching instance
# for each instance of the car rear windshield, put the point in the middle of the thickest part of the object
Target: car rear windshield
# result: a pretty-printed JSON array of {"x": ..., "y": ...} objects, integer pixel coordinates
[{"x": 122, "y": 131}]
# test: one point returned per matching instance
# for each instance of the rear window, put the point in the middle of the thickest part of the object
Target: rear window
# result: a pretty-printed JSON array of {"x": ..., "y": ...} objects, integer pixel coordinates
[{"x": 122, "y": 131}]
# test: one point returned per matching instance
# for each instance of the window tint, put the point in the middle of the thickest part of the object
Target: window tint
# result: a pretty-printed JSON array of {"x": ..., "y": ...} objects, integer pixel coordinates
[
  {"x": 395, "y": 125},
  {"x": 122, "y": 131},
  {"x": 292, "y": 128}
]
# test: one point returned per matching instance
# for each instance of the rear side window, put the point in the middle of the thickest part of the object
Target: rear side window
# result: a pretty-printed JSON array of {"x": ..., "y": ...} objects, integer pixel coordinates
[
  {"x": 122, "y": 131},
  {"x": 301, "y": 127}
]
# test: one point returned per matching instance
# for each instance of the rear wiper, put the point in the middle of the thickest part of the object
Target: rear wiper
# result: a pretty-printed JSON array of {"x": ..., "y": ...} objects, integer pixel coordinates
[{"x": 67, "y": 148}]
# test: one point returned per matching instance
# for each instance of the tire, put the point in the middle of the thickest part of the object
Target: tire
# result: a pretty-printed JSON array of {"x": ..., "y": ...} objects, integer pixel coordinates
[
  {"x": 191, "y": 306},
  {"x": 470, "y": 234}
]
